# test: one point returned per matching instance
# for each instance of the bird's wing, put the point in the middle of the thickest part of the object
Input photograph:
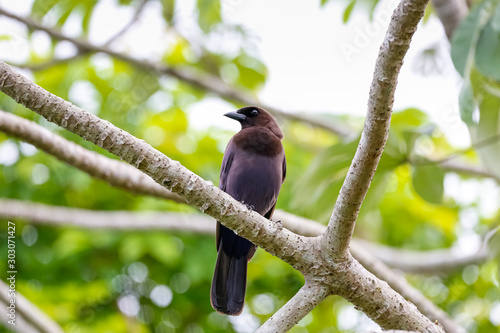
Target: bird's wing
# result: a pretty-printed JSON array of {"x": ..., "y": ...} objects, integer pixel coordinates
[
  {"x": 284, "y": 168},
  {"x": 227, "y": 160}
]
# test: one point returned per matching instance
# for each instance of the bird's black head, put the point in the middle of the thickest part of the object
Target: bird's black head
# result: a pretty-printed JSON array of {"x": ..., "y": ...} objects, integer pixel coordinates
[{"x": 250, "y": 116}]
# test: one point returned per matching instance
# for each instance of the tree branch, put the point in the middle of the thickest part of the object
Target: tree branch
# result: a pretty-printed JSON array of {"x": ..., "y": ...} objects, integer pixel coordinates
[
  {"x": 204, "y": 81},
  {"x": 29, "y": 318},
  {"x": 303, "y": 302},
  {"x": 399, "y": 283},
  {"x": 112, "y": 220},
  {"x": 425, "y": 262},
  {"x": 114, "y": 172},
  {"x": 376, "y": 129},
  {"x": 468, "y": 169},
  {"x": 134, "y": 19},
  {"x": 171, "y": 174},
  {"x": 59, "y": 61},
  {"x": 366, "y": 292}
]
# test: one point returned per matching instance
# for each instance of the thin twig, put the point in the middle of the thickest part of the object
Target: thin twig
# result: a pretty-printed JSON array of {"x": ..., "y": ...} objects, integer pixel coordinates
[
  {"x": 114, "y": 172},
  {"x": 135, "y": 18},
  {"x": 59, "y": 61},
  {"x": 41, "y": 214},
  {"x": 28, "y": 317},
  {"x": 201, "y": 80},
  {"x": 475, "y": 146}
]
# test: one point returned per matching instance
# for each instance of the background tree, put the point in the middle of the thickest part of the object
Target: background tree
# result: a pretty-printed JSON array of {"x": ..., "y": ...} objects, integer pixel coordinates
[{"x": 96, "y": 280}]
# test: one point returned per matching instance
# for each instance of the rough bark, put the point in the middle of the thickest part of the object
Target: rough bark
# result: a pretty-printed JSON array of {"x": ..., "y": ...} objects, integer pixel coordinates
[
  {"x": 376, "y": 129},
  {"x": 306, "y": 299}
]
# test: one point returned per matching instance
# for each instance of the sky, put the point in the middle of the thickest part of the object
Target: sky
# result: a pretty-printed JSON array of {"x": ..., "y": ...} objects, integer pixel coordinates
[{"x": 316, "y": 63}]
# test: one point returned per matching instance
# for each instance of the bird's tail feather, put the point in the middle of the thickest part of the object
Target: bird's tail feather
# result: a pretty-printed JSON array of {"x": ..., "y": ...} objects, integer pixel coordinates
[{"x": 229, "y": 283}]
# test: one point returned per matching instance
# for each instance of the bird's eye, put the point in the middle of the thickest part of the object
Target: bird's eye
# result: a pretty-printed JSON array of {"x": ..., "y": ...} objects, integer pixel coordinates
[{"x": 254, "y": 112}]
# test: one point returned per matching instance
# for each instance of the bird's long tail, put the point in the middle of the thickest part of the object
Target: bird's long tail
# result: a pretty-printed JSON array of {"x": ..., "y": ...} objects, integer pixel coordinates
[{"x": 229, "y": 283}]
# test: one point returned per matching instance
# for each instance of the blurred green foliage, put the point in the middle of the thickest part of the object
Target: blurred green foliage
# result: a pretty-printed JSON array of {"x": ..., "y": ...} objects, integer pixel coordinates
[
  {"x": 80, "y": 277},
  {"x": 475, "y": 52}
]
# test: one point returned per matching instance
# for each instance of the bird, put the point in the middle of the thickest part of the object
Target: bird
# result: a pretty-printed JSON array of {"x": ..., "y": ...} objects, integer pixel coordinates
[{"x": 252, "y": 172}]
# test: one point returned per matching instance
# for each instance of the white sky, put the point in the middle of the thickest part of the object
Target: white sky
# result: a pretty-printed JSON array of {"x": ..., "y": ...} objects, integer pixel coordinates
[{"x": 301, "y": 44}]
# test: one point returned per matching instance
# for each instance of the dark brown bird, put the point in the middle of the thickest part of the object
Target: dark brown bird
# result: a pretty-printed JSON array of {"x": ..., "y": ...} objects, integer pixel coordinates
[{"x": 253, "y": 169}]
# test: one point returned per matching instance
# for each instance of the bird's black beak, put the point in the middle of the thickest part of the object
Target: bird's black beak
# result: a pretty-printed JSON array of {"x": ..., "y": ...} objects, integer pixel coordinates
[{"x": 236, "y": 116}]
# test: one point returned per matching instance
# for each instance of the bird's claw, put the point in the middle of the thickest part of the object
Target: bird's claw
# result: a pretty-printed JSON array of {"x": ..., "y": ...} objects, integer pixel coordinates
[
  {"x": 279, "y": 225},
  {"x": 249, "y": 207}
]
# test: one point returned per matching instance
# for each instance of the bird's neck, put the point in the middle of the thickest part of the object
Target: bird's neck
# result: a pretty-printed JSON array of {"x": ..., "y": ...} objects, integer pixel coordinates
[{"x": 260, "y": 140}]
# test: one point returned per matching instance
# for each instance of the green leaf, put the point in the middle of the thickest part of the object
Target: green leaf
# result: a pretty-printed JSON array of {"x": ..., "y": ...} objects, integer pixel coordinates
[
  {"x": 348, "y": 11},
  {"x": 488, "y": 52},
  {"x": 464, "y": 40},
  {"x": 209, "y": 14},
  {"x": 5, "y": 37},
  {"x": 495, "y": 20},
  {"x": 168, "y": 9},
  {"x": 88, "y": 11},
  {"x": 466, "y": 103},
  {"x": 428, "y": 182},
  {"x": 489, "y": 128},
  {"x": 41, "y": 7},
  {"x": 252, "y": 72}
]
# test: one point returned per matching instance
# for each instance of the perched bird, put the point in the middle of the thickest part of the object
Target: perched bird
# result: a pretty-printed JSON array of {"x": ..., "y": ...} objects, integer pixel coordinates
[{"x": 253, "y": 169}]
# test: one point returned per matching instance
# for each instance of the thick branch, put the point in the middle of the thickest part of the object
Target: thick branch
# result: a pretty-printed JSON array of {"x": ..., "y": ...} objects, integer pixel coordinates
[
  {"x": 399, "y": 283},
  {"x": 29, "y": 318},
  {"x": 204, "y": 81},
  {"x": 171, "y": 174},
  {"x": 376, "y": 129},
  {"x": 377, "y": 299},
  {"x": 114, "y": 172},
  {"x": 304, "y": 301}
]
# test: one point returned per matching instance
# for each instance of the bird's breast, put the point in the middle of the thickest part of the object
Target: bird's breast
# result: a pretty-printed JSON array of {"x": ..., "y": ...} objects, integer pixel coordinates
[{"x": 255, "y": 179}]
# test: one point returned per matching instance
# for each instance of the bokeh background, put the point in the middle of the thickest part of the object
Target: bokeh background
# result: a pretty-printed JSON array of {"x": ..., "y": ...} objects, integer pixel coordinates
[{"x": 299, "y": 56}]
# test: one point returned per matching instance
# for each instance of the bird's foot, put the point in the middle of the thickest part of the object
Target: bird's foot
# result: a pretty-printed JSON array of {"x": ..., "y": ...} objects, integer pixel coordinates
[
  {"x": 249, "y": 207},
  {"x": 279, "y": 225}
]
